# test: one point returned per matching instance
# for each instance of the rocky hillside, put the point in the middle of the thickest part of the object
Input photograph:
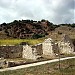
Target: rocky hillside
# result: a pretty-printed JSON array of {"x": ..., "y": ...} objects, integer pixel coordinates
[
  {"x": 26, "y": 29},
  {"x": 58, "y": 32},
  {"x": 32, "y": 29}
]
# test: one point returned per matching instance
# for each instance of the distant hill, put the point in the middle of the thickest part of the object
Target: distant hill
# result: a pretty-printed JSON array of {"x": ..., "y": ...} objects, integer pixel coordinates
[
  {"x": 31, "y": 29},
  {"x": 58, "y": 32}
]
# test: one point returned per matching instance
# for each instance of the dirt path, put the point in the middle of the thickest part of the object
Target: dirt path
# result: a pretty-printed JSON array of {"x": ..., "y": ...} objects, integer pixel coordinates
[{"x": 34, "y": 64}]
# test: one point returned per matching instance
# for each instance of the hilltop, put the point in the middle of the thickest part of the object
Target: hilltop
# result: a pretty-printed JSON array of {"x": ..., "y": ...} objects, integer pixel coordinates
[
  {"x": 29, "y": 29},
  {"x": 26, "y": 29}
]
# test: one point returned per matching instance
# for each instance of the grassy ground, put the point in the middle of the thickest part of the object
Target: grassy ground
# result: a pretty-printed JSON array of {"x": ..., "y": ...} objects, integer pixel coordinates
[
  {"x": 18, "y": 41},
  {"x": 67, "y": 67}
]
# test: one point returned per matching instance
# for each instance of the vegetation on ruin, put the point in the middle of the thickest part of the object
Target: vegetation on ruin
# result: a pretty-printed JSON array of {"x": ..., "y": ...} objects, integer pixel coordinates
[{"x": 67, "y": 67}]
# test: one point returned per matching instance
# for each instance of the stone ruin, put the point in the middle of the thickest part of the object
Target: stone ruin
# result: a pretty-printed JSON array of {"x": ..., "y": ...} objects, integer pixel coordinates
[
  {"x": 21, "y": 51},
  {"x": 3, "y": 63},
  {"x": 32, "y": 52},
  {"x": 66, "y": 45},
  {"x": 11, "y": 51},
  {"x": 48, "y": 47}
]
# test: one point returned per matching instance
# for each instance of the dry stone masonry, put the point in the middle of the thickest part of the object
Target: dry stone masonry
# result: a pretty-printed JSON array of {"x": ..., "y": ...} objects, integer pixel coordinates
[
  {"x": 48, "y": 47},
  {"x": 66, "y": 45},
  {"x": 32, "y": 52},
  {"x": 11, "y": 51}
]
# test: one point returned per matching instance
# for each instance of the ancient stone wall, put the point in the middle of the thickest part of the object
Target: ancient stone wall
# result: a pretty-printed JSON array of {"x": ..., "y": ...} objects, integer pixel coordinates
[
  {"x": 48, "y": 46},
  {"x": 38, "y": 48},
  {"x": 11, "y": 51},
  {"x": 32, "y": 52},
  {"x": 28, "y": 52},
  {"x": 66, "y": 45}
]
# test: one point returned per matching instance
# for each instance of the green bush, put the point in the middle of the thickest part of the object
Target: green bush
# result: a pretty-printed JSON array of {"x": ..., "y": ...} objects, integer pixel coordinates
[{"x": 36, "y": 36}]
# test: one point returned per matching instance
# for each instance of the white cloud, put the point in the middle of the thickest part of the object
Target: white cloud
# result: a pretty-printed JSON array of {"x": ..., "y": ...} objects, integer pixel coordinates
[{"x": 56, "y": 11}]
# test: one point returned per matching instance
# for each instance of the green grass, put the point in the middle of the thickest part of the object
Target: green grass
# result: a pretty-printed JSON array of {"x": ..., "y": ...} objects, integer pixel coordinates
[
  {"x": 67, "y": 67},
  {"x": 18, "y": 41}
]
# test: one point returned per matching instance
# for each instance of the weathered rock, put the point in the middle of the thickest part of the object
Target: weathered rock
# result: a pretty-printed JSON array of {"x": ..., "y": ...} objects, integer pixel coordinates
[
  {"x": 66, "y": 45},
  {"x": 3, "y": 63},
  {"x": 48, "y": 47},
  {"x": 32, "y": 52}
]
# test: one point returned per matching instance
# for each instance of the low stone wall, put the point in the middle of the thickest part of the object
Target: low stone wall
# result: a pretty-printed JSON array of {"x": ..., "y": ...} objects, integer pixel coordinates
[
  {"x": 15, "y": 63},
  {"x": 11, "y": 51},
  {"x": 38, "y": 48},
  {"x": 48, "y": 47},
  {"x": 32, "y": 52}
]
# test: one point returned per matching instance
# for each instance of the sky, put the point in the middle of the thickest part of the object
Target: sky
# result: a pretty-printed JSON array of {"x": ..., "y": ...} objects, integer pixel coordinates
[{"x": 56, "y": 11}]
